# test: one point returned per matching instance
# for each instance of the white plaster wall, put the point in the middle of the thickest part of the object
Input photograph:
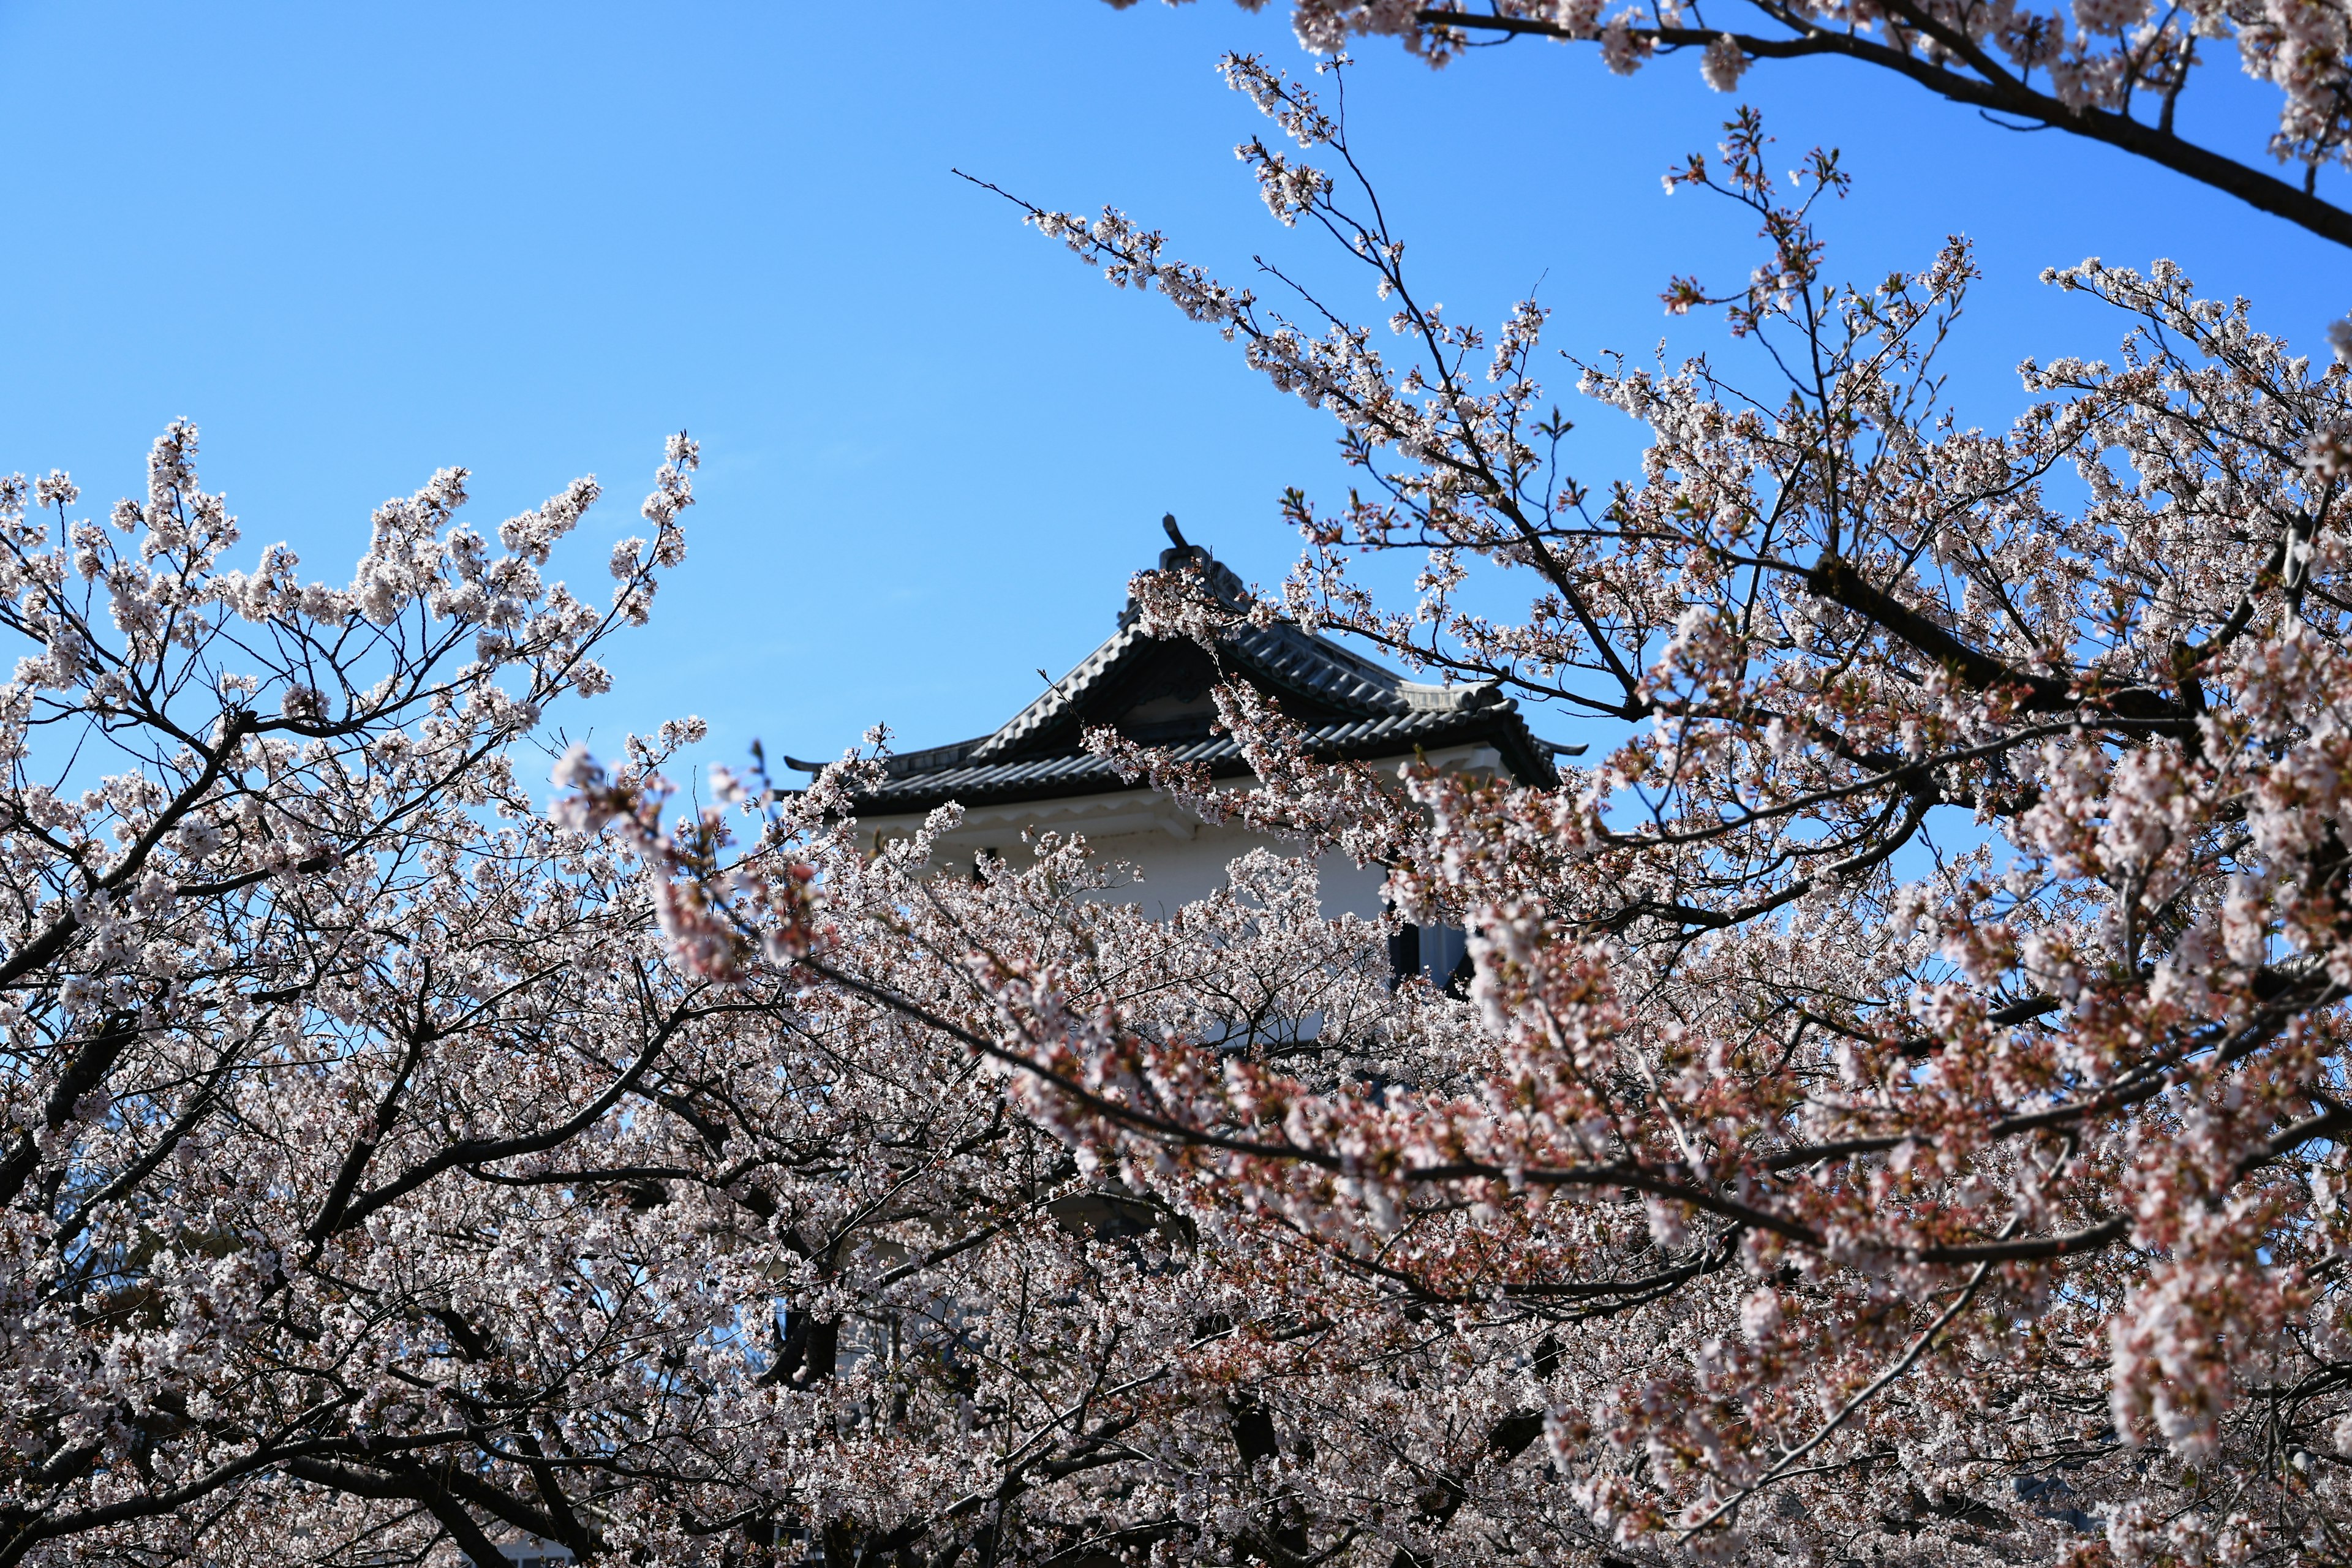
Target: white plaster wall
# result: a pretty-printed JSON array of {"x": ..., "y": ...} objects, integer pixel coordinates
[
  {"x": 1176, "y": 858},
  {"x": 1173, "y": 872},
  {"x": 1180, "y": 858}
]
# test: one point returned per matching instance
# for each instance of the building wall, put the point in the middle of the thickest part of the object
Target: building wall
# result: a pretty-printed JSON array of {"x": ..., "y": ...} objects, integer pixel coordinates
[{"x": 1178, "y": 858}]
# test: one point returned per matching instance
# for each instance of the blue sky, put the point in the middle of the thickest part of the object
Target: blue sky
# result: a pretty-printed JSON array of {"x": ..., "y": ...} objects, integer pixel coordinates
[{"x": 354, "y": 244}]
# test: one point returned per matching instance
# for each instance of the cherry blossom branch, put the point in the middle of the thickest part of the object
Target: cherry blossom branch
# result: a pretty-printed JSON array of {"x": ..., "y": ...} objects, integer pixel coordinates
[
  {"x": 1995, "y": 90},
  {"x": 1901, "y": 1365}
]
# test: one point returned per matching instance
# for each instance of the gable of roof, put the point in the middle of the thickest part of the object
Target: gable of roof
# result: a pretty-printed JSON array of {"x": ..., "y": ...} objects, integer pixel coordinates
[{"x": 1155, "y": 691}]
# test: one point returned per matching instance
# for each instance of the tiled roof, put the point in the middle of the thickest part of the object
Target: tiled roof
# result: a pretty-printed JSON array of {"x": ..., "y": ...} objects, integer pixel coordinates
[
  {"x": 1348, "y": 707},
  {"x": 976, "y": 781}
]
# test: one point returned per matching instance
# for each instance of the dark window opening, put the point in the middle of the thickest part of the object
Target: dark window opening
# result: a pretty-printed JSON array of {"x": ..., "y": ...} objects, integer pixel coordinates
[{"x": 1440, "y": 955}]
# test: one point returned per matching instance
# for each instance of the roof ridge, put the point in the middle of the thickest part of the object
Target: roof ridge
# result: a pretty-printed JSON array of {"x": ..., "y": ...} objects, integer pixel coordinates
[
  {"x": 1282, "y": 652},
  {"x": 1061, "y": 694}
]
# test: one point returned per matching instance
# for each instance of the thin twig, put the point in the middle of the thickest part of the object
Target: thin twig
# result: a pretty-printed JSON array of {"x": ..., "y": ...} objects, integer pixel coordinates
[{"x": 1903, "y": 1363}]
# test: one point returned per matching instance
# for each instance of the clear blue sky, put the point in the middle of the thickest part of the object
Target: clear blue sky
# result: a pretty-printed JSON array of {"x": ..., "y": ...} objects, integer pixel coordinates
[{"x": 355, "y": 243}]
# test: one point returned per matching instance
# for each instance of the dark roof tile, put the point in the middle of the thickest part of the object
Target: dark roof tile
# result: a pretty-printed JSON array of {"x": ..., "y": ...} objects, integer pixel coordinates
[{"x": 1379, "y": 715}]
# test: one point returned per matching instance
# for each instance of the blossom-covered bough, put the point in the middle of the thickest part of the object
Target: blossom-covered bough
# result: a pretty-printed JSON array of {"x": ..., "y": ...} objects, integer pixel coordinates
[
  {"x": 1900, "y": 1107},
  {"x": 2111, "y": 71}
]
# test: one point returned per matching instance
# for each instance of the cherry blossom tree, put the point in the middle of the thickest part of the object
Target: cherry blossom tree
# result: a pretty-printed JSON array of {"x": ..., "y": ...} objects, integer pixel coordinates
[
  {"x": 319, "y": 1194},
  {"x": 1898, "y": 1110},
  {"x": 1900, "y": 1107},
  {"x": 2111, "y": 71}
]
